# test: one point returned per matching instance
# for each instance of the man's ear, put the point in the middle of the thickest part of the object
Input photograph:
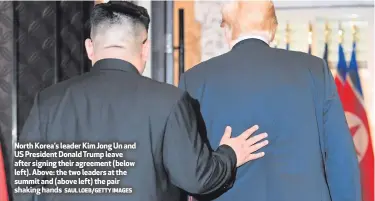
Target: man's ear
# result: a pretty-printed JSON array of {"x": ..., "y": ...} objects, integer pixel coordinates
[
  {"x": 145, "y": 50},
  {"x": 89, "y": 49}
]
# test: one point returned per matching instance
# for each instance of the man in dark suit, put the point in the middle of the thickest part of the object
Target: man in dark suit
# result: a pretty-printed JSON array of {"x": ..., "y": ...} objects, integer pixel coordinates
[
  {"x": 114, "y": 103},
  {"x": 293, "y": 96}
]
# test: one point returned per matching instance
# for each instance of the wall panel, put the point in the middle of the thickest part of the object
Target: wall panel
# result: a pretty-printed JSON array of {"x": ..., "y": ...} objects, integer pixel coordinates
[
  {"x": 6, "y": 74},
  {"x": 192, "y": 36}
]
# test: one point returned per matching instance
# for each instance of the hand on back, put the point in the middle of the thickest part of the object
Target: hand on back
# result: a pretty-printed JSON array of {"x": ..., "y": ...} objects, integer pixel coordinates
[{"x": 245, "y": 145}]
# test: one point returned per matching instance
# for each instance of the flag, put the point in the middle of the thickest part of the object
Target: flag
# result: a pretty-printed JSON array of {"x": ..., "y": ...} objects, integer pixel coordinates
[
  {"x": 352, "y": 99},
  {"x": 340, "y": 77},
  {"x": 350, "y": 92},
  {"x": 4, "y": 196},
  {"x": 341, "y": 66}
]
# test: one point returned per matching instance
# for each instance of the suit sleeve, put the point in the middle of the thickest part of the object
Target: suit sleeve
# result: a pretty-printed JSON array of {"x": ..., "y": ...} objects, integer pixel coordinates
[
  {"x": 30, "y": 133},
  {"x": 190, "y": 163},
  {"x": 341, "y": 163}
]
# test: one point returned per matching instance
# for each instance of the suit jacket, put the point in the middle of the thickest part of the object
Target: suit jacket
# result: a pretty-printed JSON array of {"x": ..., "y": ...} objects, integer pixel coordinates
[
  {"x": 114, "y": 103},
  {"x": 292, "y": 97}
]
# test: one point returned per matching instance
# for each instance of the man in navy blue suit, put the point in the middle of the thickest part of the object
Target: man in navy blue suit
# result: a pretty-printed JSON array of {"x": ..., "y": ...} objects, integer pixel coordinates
[{"x": 292, "y": 96}]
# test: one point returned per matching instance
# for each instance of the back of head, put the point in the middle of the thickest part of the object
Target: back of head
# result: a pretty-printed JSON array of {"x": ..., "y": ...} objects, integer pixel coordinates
[
  {"x": 117, "y": 27},
  {"x": 249, "y": 17}
]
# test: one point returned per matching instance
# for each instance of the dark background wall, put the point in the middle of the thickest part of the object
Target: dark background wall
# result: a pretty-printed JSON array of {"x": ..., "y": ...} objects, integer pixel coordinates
[
  {"x": 50, "y": 47},
  {"x": 6, "y": 73},
  {"x": 41, "y": 43}
]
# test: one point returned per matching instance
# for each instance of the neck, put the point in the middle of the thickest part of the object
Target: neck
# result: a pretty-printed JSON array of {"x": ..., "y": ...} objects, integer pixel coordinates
[
  {"x": 264, "y": 35},
  {"x": 118, "y": 55}
]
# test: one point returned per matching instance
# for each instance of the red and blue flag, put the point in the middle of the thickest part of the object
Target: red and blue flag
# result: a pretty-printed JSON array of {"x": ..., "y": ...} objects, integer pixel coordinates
[{"x": 349, "y": 88}]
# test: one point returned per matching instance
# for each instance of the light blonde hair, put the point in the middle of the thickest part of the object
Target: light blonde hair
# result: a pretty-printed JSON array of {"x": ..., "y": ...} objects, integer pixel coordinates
[{"x": 244, "y": 17}]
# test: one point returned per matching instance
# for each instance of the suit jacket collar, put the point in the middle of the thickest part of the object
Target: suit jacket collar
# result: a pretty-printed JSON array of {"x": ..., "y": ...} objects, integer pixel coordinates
[
  {"x": 249, "y": 36},
  {"x": 251, "y": 43},
  {"x": 115, "y": 64}
]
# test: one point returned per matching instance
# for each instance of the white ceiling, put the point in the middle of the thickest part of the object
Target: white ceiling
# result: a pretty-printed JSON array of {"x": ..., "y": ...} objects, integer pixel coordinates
[{"x": 320, "y": 3}]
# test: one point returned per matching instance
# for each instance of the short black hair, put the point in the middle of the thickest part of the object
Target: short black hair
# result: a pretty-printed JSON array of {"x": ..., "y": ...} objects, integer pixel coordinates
[
  {"x": 120, "y": 24},
  {"x": 108, "y": 11}
]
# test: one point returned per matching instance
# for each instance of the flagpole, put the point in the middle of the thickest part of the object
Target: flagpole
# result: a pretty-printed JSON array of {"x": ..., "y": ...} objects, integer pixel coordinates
[
  {"x": 327, "y": 33},
  {"x": 341, "y": 34},
  {"x": 355, "y": 40},
  {"x": 355, "y": 31},
  {"x": 310, "y": 37},
  {"x": 341, "y": 66},
  {"x": 287, "y": 36}
]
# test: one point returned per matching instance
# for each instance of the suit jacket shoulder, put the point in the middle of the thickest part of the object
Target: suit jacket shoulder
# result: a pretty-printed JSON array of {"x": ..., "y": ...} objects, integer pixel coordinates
[
  {"x": 316, "y": 67},
  {"x": 292, "y": 61},
  {"x": 162, "y": 93},
  {"x": 208, "y": 65},
  {"x": 313, "y": 61},
  {"x": 197, "y": 76},
  {"x": 158, "y": 98}
]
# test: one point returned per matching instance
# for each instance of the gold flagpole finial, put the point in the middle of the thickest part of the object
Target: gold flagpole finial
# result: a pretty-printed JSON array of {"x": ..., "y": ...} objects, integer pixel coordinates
[
  {"x": 355, "y": 31},
  {"x": 327, "y": 32},
  {"x": 341, "y": 33},
  {"x": 310, "y": 33},
  {"x": 287, "y": 33}
]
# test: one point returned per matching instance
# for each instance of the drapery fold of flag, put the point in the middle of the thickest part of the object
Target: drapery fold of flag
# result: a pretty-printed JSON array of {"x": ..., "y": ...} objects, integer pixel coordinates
[
  {"x": 4, "y": 196},
  {"x": 340, "y": 77},
  {"x": 353, "y": 71},
  {"x": 341, "y": 65}
]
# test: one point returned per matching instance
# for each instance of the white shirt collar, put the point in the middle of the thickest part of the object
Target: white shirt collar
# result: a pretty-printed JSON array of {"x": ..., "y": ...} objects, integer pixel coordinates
[{"x": 241, "y": 38}]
